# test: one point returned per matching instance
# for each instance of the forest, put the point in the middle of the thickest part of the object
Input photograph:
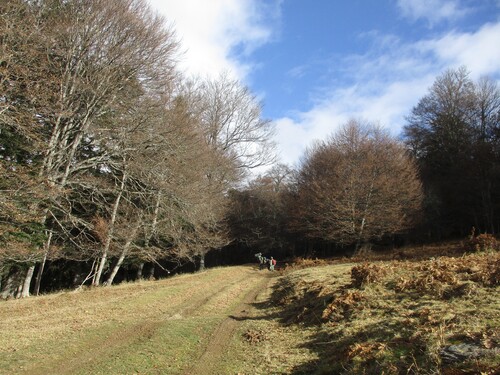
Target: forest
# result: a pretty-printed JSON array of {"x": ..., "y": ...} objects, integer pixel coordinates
[{"x": 115, "y": 166}]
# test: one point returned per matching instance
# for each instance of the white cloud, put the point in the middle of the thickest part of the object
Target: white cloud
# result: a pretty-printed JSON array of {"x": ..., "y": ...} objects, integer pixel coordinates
[
  {"x": 387, "y": 83},
  {"x": 291, "y": 136},
  {"x": 432, "y": 10},
  {"x": 478, "y": 51},
  {"x": 386, "y": 106},
  {"x": 384, "y": 84},
  {"x": 211, "y": 31}
]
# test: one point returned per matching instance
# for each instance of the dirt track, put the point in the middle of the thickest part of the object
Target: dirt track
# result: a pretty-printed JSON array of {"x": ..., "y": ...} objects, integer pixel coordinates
[
  {"x": 99, "y": 331},
  {"x": 207, "y": 363}
]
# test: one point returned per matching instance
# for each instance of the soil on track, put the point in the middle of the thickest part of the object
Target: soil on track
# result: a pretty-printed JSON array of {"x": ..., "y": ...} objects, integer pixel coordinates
[
  {"x": 94, "y": 328},
  {"x": 208, "y": 362}
]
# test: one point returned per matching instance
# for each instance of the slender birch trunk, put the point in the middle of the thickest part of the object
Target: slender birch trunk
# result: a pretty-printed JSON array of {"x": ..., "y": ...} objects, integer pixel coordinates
[
  {"x": 202, "y": 263},
  {"x": 104, "y": 256},
  {"x": 149, "y": 235},
  {"x": 42, "y": 264},
  {"x": 154, "y": 222},
  {"x": 360, "y": 235},
  {"x": 365, "y": 212},
  {"x": 123, "y": 254},
  {"x": 19, "y": 290}
]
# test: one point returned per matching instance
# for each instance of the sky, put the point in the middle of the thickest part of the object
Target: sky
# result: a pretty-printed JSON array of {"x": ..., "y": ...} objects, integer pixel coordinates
[{"x": 315, "y": 64}]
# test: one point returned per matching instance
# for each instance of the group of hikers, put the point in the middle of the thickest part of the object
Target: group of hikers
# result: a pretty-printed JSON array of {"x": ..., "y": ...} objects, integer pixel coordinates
[{"x": 264, "y": 262}]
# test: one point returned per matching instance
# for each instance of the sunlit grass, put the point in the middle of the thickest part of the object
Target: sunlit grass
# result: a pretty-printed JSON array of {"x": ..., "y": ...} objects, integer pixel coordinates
[
  {"x": 403, "y": 319},
  {"x": 149, "y": 327},
  {"x": 349, "y": 318},
  {"x": 322, "y": 320}
]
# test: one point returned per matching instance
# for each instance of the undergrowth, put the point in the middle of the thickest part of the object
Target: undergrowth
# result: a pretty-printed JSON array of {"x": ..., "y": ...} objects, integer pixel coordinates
[{"x": 397, "y": 316}]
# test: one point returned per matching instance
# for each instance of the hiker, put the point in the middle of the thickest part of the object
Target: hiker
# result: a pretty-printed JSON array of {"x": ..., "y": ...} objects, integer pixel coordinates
[
  {"x": 265, "y": 262},
  {"x": 262, "y": 260},
  {"x": 272, "y": 263}
]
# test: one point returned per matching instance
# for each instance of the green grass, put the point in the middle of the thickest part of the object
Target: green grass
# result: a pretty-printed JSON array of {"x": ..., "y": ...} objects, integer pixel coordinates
[
  {"x": 145, "y": 328},
  {"x": 390, "y": 317}
]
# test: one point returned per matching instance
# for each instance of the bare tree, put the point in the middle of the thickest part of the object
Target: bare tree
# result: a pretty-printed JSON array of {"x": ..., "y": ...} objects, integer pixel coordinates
[
  {"x": 232, "y": 122},
  {"x": 96, "y": 60},
  {"x": 358, "y": 185},
  {"x": 238, "y": 140},
  {"x": 112, "y": 53},
  {"x": 156, "y": 144},
  {"x": 453, "y": 132}
]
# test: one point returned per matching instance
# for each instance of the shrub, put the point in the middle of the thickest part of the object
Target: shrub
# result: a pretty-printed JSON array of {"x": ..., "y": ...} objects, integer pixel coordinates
[
  {"x": 342, "y": 306},
  {"x": 483, "y": 242},
  {"x": 366, "y": 274}
]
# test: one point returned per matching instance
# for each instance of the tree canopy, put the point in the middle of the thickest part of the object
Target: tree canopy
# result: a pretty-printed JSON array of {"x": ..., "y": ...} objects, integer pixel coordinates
[
  {"x": 112, "y": 162},
  {"x": 454, "y": 134},
  {"x": 358, "y": 185}
]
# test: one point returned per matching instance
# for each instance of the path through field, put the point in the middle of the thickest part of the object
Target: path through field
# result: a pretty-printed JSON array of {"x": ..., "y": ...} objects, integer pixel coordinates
[
  {"x": 181, "y": 325},
  {"x": 218, "y": 343}
]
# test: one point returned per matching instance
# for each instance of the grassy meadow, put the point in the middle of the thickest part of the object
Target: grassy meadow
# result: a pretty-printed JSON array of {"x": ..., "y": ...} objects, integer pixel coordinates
[
  {"x": 378, "y": 317},
  {"x": 394, "y": 314}
]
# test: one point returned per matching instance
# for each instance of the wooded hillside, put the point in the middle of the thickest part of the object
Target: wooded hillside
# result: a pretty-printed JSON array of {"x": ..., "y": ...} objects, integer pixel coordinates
[{"x": 114, "y": 166}]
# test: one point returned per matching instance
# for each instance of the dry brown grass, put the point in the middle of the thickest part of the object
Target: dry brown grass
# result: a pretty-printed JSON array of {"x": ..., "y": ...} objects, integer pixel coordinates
[
  {"x": 147, "y": 327},
  {"x": 449, "y": 277},
  {"x": 396, "y": 316},
  {"x": 301, "y": 263},
  {"x": 482, "y": 242},
  {"x": 367, "y": 273},
  {"x": 255, "y": 336}
]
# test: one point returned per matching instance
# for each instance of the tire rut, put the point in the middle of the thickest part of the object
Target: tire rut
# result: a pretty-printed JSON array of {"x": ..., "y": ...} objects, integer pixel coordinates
[
  {"x": 88, "y": 351},
  {"x": 207, "y": 363},
  {"x": 102, "y": 347}
]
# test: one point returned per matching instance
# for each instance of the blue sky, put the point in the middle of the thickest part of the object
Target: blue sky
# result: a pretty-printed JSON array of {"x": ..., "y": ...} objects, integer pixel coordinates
[{"x": 317, "y": 63}]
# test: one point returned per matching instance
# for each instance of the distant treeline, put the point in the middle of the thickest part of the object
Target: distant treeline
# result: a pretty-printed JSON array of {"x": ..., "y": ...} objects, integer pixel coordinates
[{"x": 114, "y": 166}]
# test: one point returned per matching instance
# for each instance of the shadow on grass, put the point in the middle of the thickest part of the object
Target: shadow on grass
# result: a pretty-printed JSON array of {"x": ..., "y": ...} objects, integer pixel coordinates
[
  {"x": 352, "y": 340},
  {"x": 398, "y": 325},
  {"x": 373, "y": 350},
  {"x": 339, "y": 347},
  {"x": 265, "y": 313}
]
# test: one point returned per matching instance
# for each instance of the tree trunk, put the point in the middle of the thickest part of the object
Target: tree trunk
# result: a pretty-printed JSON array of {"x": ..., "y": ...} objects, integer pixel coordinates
[
  {"x": 19, "y": 290},
  {"x": 9, "y": 287},
  {"x": 38, "y": 279},
  {"x": 148, "y": 237},
  {"x": 140, "y": 268},
  {"x": 123, "y": 254},
  {"x": 42, "y": 265},
  {"x": 118, "y": 264},
  {"x": 154, "y": 222},
  {"x": 202, "y": 263},
  {"x": 360, "y": 235},
  {"x": 102, "y": 262},
  {"x": 365, "y": 213},
  {"x": 109, "y": 236},
  {"x": 27, "y": 282}
]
